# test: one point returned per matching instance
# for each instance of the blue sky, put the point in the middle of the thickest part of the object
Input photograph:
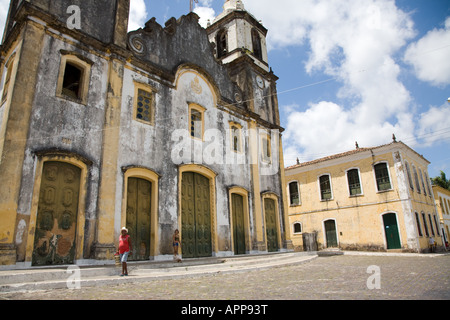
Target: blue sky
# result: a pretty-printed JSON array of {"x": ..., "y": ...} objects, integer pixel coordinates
[{"x": 350, "y": 70}]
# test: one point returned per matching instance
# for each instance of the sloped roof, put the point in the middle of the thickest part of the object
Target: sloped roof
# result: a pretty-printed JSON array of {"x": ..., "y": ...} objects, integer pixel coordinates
[{"x": 349, "y": 153}]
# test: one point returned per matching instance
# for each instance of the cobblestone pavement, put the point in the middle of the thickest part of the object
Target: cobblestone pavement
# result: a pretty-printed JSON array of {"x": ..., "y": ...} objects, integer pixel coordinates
[{"x": 335, "y": 277}]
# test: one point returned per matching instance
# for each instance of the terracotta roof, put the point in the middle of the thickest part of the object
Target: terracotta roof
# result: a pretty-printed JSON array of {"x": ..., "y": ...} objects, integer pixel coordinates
[{"x": 344, "y": 154}]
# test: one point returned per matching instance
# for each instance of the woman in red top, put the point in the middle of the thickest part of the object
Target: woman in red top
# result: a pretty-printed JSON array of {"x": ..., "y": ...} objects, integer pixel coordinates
[{"x": 124, "y": 249}]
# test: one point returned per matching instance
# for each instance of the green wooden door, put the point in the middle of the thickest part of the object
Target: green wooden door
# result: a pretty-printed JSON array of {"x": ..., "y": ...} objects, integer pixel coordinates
[
  {"x": 330, "y": 232},
  {"x": 391, "y": 231},
  {"x": 271, "y": 225},
  {"x": 138, "y": 217},
  {"x": 195, "y": 216},
  {"x": 56, "y": 224},
  {"x": 237, "y": 208}
]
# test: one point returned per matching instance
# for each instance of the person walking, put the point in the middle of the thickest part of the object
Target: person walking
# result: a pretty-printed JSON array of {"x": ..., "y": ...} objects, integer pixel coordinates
[
  {"x": 176, "y": 244},
  {"x": 124, "y": 249}
]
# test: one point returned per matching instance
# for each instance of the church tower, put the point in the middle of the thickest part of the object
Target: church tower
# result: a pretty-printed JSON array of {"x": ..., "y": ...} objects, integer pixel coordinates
[
  {"x": 236, "y": 33},
  {"x": 239, "y": 40}
]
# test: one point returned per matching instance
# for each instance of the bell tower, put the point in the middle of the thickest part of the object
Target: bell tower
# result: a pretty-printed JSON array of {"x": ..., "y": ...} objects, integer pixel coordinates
[
  {"x": 235, "y": 33},
  {"x": 239, "y": 40}
]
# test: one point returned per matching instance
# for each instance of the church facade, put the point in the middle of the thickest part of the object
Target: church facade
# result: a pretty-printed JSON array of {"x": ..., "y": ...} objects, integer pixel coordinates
[{"x": 162, "y": 128}]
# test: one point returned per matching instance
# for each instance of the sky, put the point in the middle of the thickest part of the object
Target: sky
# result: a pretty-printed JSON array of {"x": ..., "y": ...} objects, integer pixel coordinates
[{"x": 349, "y": 70}]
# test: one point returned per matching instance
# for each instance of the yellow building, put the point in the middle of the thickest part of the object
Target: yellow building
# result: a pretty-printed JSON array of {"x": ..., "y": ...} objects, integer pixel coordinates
[
  {"x": 442, "y": 198},
  {"x": 372, "y": 199}
]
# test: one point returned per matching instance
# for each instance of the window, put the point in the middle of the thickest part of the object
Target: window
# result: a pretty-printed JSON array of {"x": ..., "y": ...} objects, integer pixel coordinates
[
  {"x": 266, "y": 148},
  {"x": 236, "y": 141},
  {"x": 382, "y": 177},
  {"x": 419, "y": 228},
  {"x": 73, "y": 80},
  {"x": 436, "y": 224},
  {"x": 416, "y": 179},
  {"x": 423, "y": 184},
  {"x": 297, "y": 227},
  {"x": 144, "y": 106},
  {"x": 256, "y": 42},
  {"x": 9, "y": 67},
  {"x": 431, "y": 224},
  {"x": 294, "y": 196},
  {"x": 325, "y": 187},
  {"x": 196, "y": 121},
  {"x": 427, "y": 182},
  {"x": 425, "y": 224},
  {"x": 221, "y": 40},
  {"x": 408, "y": 172},
  {"x": 354, "y": 184}
]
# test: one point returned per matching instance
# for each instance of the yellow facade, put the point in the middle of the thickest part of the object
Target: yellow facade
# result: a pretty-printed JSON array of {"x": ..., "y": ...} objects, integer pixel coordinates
[
  {"x": 365, "y": 218},
  {"x": 442, "y": 199}
]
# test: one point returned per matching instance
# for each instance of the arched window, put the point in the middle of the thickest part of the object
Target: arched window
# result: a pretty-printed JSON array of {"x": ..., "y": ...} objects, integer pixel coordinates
[
  {"x": 221, "y": 41},
  {"x": 297, "y": 227},
  {"x": 416, "y": 178},
  {"x": 325, "y": 187},
  {"x": 256, "y": 42},
  {"x": 294, "y": 194},
  {"x": 408, "y": 172},
  {"x": 382, "y": 176},
  {"x": 354, "y": 184}
]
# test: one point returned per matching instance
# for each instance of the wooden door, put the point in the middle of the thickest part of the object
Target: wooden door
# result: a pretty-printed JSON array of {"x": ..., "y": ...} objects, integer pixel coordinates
[
  {"x": 237, "y": 208},
  {"x": 56, "y": 223},
  {"x": 271, "y": 225},
  {"x": 138, "y": 217},
  {"x": 195, "y": 216},
  {"x": 330, "y": 233},
  {"x": 391, "y": 231}
]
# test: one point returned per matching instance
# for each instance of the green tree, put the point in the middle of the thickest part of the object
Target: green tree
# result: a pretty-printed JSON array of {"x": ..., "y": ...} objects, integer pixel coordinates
[{"x": 441, "y": 181}]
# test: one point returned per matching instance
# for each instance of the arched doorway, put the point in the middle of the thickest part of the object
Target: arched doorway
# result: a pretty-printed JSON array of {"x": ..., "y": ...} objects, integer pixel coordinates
[
  {"x": 237, "y": 209},
  {"x": 391, "y": 231},
  {"x": 138, "y": 220},
  {"x": 330, "y": 233},
  {"x": 57, "y": 214},
  {"x": 271, "y": 224},
  {"x": 140, "y": 211},
  {"x": 196, "y": 239}
]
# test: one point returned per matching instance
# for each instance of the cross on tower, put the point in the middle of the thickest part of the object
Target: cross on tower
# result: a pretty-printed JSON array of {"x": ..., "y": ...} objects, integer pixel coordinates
[{"x": 192, "y": 5}]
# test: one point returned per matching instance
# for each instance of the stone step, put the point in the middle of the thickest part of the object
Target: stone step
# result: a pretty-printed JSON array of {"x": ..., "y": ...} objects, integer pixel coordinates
[{"x": 30, "y": 280}]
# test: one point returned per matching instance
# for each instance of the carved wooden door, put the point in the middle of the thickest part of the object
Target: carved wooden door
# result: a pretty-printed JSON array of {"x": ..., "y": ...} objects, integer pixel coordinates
[
  {"x": 271, "y": 225},
  {"x": 237, "y": 208},
  {"x": 195, "y": 216},
  {"x": 56, "y": 223},
  {"x": 138, "y": 217}
]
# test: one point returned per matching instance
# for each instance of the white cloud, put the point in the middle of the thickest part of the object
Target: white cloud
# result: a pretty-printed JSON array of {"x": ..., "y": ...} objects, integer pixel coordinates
[
  {"x": 4, "y": 6},
  {"x": 434, "y": 125},
  {"x": 430, "y": 56},
  {"x": 205, "y": 13},
  {"x": 138, "y": 15},
  {"x": 354, "y": 42}
]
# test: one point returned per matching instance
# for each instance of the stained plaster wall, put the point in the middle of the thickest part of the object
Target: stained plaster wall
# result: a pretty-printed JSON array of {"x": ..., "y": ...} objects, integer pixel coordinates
[
  {"x": 154, "y": 147},
  {"x": 172, "y": 105},
  {"x": 58, "y": 124}
]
